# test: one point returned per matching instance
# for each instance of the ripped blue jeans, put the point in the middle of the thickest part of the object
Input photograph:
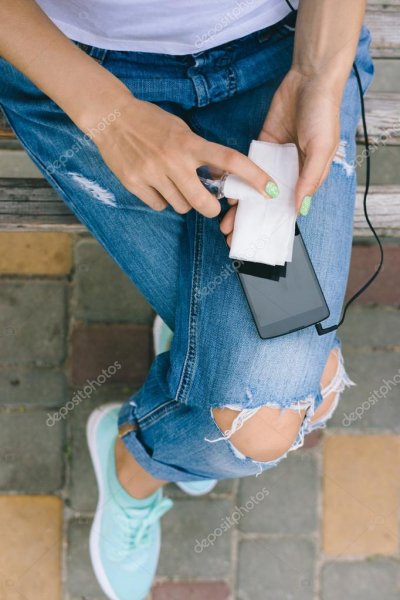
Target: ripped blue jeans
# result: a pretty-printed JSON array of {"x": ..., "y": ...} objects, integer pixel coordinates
[{"x": 180, "y": 262}]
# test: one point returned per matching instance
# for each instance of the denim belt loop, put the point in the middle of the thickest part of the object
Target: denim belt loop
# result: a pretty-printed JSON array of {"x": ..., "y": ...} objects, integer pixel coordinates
[{"x": 99, "y": 54}]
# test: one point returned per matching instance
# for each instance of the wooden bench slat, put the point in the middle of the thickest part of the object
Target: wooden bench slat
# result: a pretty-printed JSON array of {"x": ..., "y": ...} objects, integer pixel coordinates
[
  {"x": 383, "y": 209},
  {"x": 385, "y": 30},
  {"x": 383, "y": 4},
  {"x": 383, "y": 118},
  {"x": 5, "y": 130},
  {"x": 31, "y": 204}
]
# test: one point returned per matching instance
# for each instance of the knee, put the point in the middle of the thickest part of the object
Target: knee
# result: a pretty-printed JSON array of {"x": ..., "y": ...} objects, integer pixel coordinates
[
  {"x": 271, "y": 432},
  {"x": 267, "y": 435}
]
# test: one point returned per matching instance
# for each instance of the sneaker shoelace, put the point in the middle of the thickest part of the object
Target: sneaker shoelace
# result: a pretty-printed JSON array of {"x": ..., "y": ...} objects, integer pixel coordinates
[{"x": 136, "y": 527}]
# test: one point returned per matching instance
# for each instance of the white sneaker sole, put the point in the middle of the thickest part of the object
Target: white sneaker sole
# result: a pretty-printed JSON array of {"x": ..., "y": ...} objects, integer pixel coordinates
[
  {"x": 157, "y": 326},
  {"x": 94, "y": 540},
  {"x": 190, "y": 492}
]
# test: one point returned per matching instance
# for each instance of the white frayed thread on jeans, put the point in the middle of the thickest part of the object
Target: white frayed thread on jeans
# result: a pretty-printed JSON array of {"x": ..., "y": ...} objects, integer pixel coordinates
[
  {"x": 246, "y": 414},
  {"x": 337, "y": 385}
]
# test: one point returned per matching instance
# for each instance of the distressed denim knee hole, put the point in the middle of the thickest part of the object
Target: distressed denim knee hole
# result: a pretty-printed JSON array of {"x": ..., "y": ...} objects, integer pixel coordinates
[{"x": 285, "y": 430}]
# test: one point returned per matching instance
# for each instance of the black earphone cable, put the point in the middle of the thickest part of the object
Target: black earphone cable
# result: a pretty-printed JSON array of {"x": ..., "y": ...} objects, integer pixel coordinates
[{"x": 322, "y": 330}]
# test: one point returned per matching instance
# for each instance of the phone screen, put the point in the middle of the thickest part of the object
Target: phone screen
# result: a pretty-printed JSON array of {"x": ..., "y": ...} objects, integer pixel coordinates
[{"x": 284, "y": 299}]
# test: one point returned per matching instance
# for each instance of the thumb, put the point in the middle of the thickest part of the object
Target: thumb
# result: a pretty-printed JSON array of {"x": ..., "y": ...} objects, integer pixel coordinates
[{"x": 313, "y": 172}]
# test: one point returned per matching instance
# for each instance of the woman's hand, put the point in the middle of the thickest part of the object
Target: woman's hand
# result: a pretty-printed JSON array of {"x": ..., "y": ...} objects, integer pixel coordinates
[
  {"x": 304, "y": 111},
  {"x": 155, "y": 156}
]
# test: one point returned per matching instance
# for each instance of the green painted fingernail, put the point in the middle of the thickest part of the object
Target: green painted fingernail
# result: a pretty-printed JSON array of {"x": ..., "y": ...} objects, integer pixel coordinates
[
  {"x": 272, "y": 189},
  {"x": 305, "y": 205}
]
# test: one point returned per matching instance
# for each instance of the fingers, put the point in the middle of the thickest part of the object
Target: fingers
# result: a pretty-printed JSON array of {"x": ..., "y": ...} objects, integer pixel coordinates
[
  {"x": 173, "y": 196},
  {"x": 182, "y": 194},
  {"x": 152, "y": 198},
  {"x": 232, "y": 161},
  {"x": 196, "y": 194},
  {"x": 228, "y": 221},
  {"x": 267, "y": 134},
  {"x": 313, "y": 171}
]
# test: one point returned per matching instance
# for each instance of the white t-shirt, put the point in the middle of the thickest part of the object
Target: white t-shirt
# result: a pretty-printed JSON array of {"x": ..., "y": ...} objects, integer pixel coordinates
[{"x": 168, "y": 27}]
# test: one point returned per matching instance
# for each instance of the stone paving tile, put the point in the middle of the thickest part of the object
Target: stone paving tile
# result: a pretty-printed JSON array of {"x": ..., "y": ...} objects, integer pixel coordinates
[
  {"x": 275, "y": 569},
  {"x": 102, "y": 292},
  {"x": 83, "y": 488},
  {"x": 193, "y": 546},
  {"x": 31, "y": 453},
  {"x": 361, "y": 495},
  {"x": 374, "y": 401},
  {"x": 28, "y": 387},
  {"x": 369, "y": 327},
  {"x": 311, "y": 440},
  {"x": 367, "y": 580},
  {"x": 288, "y": 504},
  {"x": 32, "y": 322},
  {"x": 97, "y": 347},
  {"x": 205, "y": 590},
  {"x": 385, "y": 289},
  {"x": 81, "y": 581},
  {"x": 39, "y": 253},
  {"x": 30, "y": 547}
]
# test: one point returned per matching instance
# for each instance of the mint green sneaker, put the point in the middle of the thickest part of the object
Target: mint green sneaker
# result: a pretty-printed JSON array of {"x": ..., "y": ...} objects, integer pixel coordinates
[
  {"x": 125, "y": 535},
  {"x": 162, "y": 338}
]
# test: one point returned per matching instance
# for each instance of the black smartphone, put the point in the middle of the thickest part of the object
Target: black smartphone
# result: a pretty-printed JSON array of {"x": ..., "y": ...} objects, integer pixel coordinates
[{"x": 283, "y": 299}]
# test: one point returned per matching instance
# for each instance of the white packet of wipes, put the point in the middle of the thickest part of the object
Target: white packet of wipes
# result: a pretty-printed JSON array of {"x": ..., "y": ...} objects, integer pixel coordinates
[{"x": 264, "y": 228}]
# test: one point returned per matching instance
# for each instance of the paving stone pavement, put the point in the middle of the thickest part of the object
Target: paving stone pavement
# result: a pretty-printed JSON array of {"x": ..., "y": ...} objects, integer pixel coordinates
[
  {"x": 31, "y": 452},
  {"x": 102, "y": 292},
  {"x": 288, "y": 505},
  {"x": 32, "y": 322},
  {"x": 276, "y": 568},
  {"x": 323, "y": 525},
  {"x": 366, "y": 580}
]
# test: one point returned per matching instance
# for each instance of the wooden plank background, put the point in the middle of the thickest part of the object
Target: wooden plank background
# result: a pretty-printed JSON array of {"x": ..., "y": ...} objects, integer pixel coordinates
[{"x": 32, "y": 204}]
